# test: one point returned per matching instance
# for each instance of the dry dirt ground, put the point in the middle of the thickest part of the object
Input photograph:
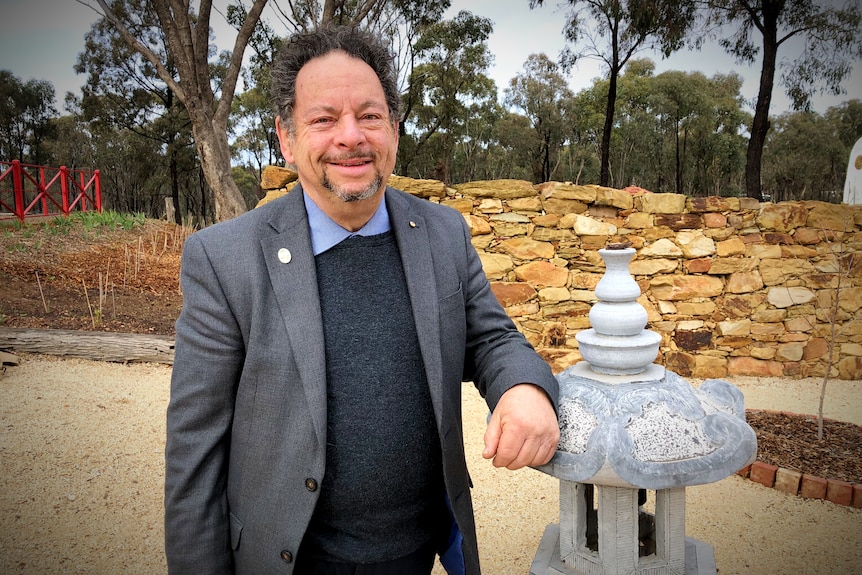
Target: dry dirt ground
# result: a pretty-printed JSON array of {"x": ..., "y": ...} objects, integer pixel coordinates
[
  {"x": 82, "y": 458},
  {"x": 81, "y": 446}
]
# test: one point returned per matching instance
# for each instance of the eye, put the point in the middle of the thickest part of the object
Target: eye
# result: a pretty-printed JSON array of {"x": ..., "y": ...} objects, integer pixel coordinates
[{"x": 322, "y": 120}]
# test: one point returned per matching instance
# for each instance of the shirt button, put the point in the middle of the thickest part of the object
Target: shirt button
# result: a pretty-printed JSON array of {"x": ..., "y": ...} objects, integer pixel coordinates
[
  {"x": 311, "y": 484},
  {"x": 287, "y": 556}
]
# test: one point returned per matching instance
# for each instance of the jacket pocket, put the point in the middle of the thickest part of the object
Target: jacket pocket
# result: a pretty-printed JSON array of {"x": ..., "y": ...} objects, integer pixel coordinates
[{"x": 235, "y": 531}]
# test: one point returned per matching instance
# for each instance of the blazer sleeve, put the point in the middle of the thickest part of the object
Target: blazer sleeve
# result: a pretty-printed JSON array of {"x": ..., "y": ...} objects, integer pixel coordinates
[
  {"x": 207, "y": 363},
  {"x": 498, "y": 356}
]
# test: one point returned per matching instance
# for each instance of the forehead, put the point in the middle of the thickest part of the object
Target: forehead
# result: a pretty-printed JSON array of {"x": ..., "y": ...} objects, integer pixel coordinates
[{"x": 336, "y": 73}]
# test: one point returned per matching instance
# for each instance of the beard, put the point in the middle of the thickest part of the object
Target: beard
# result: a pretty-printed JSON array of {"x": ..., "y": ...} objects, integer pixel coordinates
[{"x": 345, "y": 195}]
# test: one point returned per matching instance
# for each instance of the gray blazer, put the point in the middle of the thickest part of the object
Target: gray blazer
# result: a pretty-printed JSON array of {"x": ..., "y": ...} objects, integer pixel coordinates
[{"x": 246, "y": 429}]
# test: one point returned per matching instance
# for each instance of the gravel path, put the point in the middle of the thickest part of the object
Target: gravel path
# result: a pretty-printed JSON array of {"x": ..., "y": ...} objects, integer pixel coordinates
[{"x": 81, "y": 453}]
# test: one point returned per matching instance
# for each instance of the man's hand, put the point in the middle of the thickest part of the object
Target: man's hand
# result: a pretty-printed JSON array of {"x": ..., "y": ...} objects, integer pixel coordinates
[{"x": 523, "y": 430}]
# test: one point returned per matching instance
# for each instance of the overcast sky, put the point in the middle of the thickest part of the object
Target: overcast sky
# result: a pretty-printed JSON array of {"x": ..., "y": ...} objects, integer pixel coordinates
[{"x": 41, "y": 39}]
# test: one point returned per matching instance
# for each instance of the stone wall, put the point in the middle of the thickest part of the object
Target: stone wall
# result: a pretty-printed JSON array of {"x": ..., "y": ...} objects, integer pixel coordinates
[{"x": 734, "y": 286}]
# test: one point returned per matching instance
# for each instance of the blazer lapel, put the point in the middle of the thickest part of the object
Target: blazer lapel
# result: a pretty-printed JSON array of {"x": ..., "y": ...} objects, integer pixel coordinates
[
  {"x": 415, "y": 247},
  {"x": 293, "y": 275}
]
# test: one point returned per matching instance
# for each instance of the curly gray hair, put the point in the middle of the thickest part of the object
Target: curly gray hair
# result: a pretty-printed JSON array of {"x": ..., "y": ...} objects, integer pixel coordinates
[{"x": 305, "y": 46}]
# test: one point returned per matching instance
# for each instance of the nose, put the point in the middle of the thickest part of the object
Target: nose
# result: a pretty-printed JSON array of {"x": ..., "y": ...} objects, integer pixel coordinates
[{"x": 349, "y": 133}]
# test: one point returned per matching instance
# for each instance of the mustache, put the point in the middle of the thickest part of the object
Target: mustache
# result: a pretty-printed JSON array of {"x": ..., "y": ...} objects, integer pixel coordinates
[{"x": 369, "y": 155}]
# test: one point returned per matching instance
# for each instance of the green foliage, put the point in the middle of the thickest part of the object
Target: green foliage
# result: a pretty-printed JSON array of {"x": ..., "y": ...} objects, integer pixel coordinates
[{"x": 26, "y": 109}]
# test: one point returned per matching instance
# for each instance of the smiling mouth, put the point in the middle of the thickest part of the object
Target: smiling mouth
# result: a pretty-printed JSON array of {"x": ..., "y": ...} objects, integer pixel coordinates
[{"x": 350, "y": 161}]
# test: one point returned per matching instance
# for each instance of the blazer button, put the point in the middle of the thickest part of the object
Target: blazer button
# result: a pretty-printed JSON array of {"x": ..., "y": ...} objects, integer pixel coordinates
[
  {"x": 287, "y": 556},
  {"x": 311, "y": 484}
]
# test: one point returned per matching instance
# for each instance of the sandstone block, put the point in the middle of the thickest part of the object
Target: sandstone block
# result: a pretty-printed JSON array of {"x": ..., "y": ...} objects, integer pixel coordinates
[
  {"x": 695, "y": 244},
  {"x": 762, "y": 251},
  {"x": 783, "y": 217},
  {"x": 567, "y": 191},
  {"x": 662, "y": 203},
  {"x": 744, "y": 282},
  {"x": 662, "y": 248},
  {"x": 707, "y": 367},
  {"x": 478, "y": 226},
  {"x": 711, "y": 204},
  {"x": 587, "y": 226},
  {"x": 806, "y": 236},
  {"x": 463, "y": 205},
  {"x": 554, "y": 295},
  {"x": 613, "y": 197},
  {"x": 639, "y": 220},
  {"x": 512, "y": 293},
  {"x": 782, "y": 297},
  {"x": 752, "y": 366},
  {"x": 421, "y": 188},
  {"x": 678, "y": 222},
  {"x": 725, "y": 266},
  {"x": 789, "y": 352},
  {"x": 542, "y": 273},
  {"x": 649, "y": 267},
  {"x": 547, "y": 220},
  {"x": 490, "y": 206},
  {"x": 676, "y": 288},
  {"x": 552, "y": 235},
  {"x": 276, "y": 177},
  {"x": 533, "y": 204},
  {"x": 715, "y": 221},
  {"x": 698, "y": 266},
  {"x": 850, "y": 368},
  {"x": 857, "y": 496},
  {"x": 730, "y": 247},
  {"x": 557, "y": 206},
  {"x": 527, "y": 249},
  {"x": 496, "y": 266},
  {"x": 762, "y": 352},
  {"x": 826, "y": 216},
  {"x": 734, "y": 328},
  {"x": 500, "y": 189}
]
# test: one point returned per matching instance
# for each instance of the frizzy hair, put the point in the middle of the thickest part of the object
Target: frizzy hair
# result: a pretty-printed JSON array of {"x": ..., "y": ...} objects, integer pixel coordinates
[{"x": 302, "y": 47}]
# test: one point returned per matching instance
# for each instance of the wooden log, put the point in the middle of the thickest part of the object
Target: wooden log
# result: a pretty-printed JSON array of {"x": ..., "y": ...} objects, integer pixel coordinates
[{"x": 93, "y": 345}]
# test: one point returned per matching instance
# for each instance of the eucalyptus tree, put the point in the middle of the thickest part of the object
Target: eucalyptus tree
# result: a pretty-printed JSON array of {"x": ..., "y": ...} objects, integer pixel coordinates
[
  {"x": 627, "y": 27},
  {"x": 124, "y": 91},
  {"x": 184, "y": 46},
  {"x": 448, "y": 87},
  {"x": 830, "y": 41},
  {"x": 26, "y": 111},
  {"x": 540, "y": 92},
  {"x": 805, "y": 156}
]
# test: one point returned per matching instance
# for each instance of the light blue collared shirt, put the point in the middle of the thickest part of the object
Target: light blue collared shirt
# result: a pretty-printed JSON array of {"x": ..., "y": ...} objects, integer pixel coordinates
[{"x": 325, "y": 233}]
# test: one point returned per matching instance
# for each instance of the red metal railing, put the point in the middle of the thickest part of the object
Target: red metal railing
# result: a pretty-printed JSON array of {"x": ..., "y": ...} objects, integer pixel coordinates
[{"x": 56, "y": 190}]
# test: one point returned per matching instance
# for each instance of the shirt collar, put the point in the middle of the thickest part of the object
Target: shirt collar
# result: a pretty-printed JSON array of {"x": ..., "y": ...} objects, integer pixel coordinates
[{"x": 325, "y": 233}]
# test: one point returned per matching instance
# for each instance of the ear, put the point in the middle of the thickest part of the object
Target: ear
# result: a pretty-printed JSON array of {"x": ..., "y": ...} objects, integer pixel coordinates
[{"x": 284, "y": 141}]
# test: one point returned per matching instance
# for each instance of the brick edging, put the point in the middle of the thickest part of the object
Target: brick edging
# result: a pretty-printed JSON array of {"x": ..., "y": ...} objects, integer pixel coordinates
[{"x": 802, "y": 484}]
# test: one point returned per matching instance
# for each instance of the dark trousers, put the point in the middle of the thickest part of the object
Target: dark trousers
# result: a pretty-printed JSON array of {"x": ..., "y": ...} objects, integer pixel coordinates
[{"x": 417, "y": 563}]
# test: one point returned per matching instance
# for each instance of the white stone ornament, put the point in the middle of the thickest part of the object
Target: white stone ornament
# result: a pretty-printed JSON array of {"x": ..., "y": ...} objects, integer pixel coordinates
[
  {"x": 628, "y": 425},
  {"x": 284, "y": 255}
]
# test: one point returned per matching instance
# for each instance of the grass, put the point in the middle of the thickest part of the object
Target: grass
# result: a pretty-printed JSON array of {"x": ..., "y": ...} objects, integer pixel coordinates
[{"x": 89, "y": 222}]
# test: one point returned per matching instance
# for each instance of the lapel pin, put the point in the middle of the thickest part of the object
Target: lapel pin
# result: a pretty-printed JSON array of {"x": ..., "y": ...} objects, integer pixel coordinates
[
  {"x": 284, "y": 255},
  {"x": 412, "y": 224}
]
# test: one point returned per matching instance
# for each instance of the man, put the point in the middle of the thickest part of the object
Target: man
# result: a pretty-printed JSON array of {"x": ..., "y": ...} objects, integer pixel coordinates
[{"x": 315, "y": 425}]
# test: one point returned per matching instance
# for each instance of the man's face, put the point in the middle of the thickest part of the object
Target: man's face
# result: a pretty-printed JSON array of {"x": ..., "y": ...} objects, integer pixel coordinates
[{"x": 344, "y": 145}]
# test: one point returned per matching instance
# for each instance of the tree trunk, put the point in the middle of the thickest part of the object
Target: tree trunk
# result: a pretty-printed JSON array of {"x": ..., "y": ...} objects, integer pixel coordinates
[
  {"x": 605, "y": 173},
  {"x": 93, "y": 345},
  {"x": 760, "y": 124},
  {"x": 214, "y": 156}
]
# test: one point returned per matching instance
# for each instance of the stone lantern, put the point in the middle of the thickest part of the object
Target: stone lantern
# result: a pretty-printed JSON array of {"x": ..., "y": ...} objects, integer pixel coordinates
[{"x": 628, "y": 426}]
